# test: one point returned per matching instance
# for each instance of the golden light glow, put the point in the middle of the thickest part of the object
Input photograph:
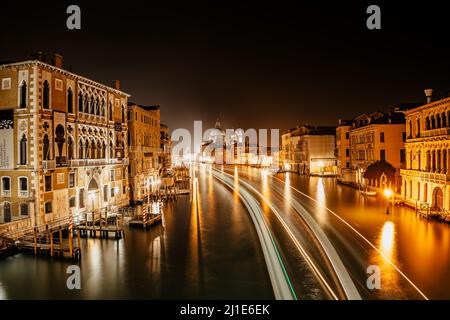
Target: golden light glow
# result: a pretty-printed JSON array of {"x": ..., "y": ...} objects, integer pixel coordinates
[
  {"x": 387, "y": 239},
  {"x": 387, "y": 193}
]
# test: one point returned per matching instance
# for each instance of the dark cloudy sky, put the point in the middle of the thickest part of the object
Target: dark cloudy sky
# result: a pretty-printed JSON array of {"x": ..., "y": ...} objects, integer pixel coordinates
[{"x": 259, "y": 65}]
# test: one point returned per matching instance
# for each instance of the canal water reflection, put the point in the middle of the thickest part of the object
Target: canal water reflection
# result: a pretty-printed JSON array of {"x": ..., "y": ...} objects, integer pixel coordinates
[
  {"x": 212, "y": 252},
  {"x": 418, "y": 247}
]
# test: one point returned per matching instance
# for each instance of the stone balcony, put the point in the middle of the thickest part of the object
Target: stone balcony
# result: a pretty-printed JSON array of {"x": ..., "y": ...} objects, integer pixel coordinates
[
  {"x": 49, "y": 164},
  {"x": 435, "y": 132},
  {"x": 96, "y": 162},
  {"x": 426, "y": 176}
]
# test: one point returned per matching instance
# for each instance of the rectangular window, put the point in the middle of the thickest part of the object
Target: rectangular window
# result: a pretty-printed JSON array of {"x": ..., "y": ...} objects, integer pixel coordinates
[
  {"x": 71, "y": 180},
  {"x": 72, "y": 202},
  {"x": 112, "y": 192},
  {"x": 381, "y": 136},
  {"x": 402, "y": 156},
  {"x": 105, "y": 193},
  {"x": 111, "y": 175},
  {"x": 6, "y": 186},
  {"x": 404, "y": 136},
  {"x": 48, "y": 207},
  {"x": 348, "y": 164},
  {"x": 81, "y": 198},
  {"x": 48, "y": 183},
  {"x": 347, "y": 135},
  {"x": 382, "y": 155},
  {"x": 347, "y": 152}
]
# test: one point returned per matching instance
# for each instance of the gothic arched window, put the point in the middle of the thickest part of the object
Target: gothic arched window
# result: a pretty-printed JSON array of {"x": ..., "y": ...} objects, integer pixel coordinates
[
  {"x": 23, "y": 150},
  {"x": 102, "y": 113},
  {"x": 97, "y": 107},
  {"x": 93, "y": 149},
  {"x": 86, "y": 104},
  {"x": 80, "y": 150},
  {"x": 110, "y": 111},
  {"x": 23, "y": 95},
  {"x": 46, "y": 148},
  {"x": 92, "y": 111},
  {"x": 46, "y": 95},
  {"x": 70, "y": 148},
  {"x": 80, "y": 102},
  {"x": 70, "y": 100}
]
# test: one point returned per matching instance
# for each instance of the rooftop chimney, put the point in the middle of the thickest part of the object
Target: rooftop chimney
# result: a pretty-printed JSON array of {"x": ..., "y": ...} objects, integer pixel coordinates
[
  {"x": 116, "y": 84},
  {"x": 428, "y": 94},
  {"x": 57, "y": 60}
]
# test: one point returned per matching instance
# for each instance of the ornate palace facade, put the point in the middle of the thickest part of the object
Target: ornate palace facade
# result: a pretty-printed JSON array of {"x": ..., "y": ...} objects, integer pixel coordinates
[
  {"x": 426, "y": 178},
  {"x": 63, "y": 143}
]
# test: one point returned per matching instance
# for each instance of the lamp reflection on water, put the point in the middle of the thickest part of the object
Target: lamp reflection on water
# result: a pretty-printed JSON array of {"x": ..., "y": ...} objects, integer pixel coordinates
[{"x": 387, "y": 239}]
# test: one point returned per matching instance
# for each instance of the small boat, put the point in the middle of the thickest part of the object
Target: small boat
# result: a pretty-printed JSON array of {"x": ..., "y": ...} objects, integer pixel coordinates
[{"x": 369, "y": 193}]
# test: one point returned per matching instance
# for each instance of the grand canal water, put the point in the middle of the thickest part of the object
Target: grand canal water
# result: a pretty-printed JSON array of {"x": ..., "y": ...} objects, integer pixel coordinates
[{"x": 213, "y": 253}]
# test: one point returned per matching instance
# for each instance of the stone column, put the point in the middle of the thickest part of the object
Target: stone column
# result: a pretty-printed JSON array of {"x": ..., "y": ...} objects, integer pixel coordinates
[{"x": 448, "y": 159}]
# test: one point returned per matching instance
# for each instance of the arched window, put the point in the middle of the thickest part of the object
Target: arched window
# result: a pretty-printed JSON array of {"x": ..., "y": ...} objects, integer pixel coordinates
[
  {"x": 23, "y": 150},
  {"x": 7, "y": 211},
  {"x": 418, "y": 191},
  {"x": 24, "y": 209},
  {"x": 23, "y": 186},
  {"x": 433, "y": 122},
  {"x": 102, "y": 112},
  {"x": 111, "y": 150},
  {"x": 427, "y": 123},
  {"x": 93, "y": 149},
  {"x": 6, "y": 186},
  {"x": 23, "y": 95},
  {"x": 80, "y": 150},
  {"x": 46, "y": 95},
  {"x": 444, "y": 120},
  {"x": 92, "y": 111},
  {"x": 70, "y": 101},
  {"x": 103, "y": 150},
  {"x": 438, "y": 121},
  {"x": 110, "y": 112},
  {"x": 70, "y": 148},
  {"x": 86, "y": 104},
  {"x": 97, "y": 107},
  {"x": 99, "y": 150},
  {"x": 46, "y": 148},
  {"x": 80, "y": 102},
  {"x": 418, "y": 128}
]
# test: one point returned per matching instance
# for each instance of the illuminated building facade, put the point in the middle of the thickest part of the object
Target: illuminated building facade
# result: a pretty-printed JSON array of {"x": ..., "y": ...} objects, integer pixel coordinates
[
  {"x": 310, "y": 150},
  {"x": 63, "y": 143},
  {"x": 427, "y": 172},
  {"x": 144, "y": 144}
]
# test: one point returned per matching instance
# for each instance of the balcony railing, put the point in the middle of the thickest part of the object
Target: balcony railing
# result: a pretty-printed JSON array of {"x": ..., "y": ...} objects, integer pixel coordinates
[
  {"x": 427, "y": 176},
  {"x": 23, "y": 194},
  {"x": 6, "y": 193},
  {"x": 97, "y": 162},
  {"x": 49, "y": 164},
  {"x": 435, "y": 132}
]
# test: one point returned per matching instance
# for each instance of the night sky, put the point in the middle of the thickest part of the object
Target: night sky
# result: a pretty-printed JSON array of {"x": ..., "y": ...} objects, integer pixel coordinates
[{"x": 256, "y": 65}]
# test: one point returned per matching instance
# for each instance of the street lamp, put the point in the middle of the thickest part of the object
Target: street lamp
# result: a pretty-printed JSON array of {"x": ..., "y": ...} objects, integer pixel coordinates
[{"x": 389, "y": 194}]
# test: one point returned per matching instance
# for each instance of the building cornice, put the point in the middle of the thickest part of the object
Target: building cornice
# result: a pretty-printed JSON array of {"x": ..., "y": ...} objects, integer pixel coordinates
[
  {"x": 428, "y": 106},
  {"x": 32, "y": 63}
]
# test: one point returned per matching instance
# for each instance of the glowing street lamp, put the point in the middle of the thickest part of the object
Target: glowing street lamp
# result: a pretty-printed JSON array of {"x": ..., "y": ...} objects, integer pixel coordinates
[{"x": 389, "y": 194}]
